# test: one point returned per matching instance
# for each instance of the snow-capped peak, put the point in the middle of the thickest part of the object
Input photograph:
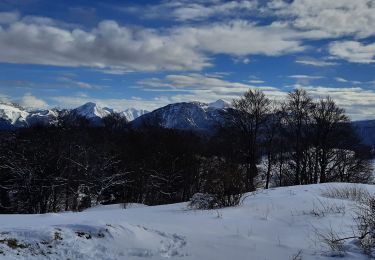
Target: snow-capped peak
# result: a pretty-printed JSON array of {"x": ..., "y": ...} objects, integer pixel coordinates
[
  {"x": 131, "y": 113},
  {"x": 219, "y": 104},
  {"x": 13, "y": 114},
  {"x": 92, "y": 110}
]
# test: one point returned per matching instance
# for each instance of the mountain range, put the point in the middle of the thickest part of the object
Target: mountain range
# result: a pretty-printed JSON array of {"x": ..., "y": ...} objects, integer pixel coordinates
[
  {"x": 186, "y": 115},
  {"x": 13, "y": 116},
  {"x": 195, "y": 116}
]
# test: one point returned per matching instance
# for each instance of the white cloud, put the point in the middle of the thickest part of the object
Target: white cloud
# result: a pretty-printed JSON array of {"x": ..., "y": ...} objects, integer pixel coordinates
[
  {"x": 8, "y": 17},
  {"x": 30, "y": 101},
  {"x": 192, "y": 80},
  {"x": 330, "y": 17},
  {"x": 107, "y": 46},
  {"x": 240, "y": 38},
  {"x": 353, "y": 51},
  {"x": 74, "y": 83},
  {"x": 256, "y": 81},
  {"x": 315, "y": 62},
  {"x": 354, "y": 82},
  {"x": 195, "y": 10},
  {"x": 120, "y": 49},
  {"x": 359, "y": 103},
  {"x": 198, "y": 11},
  {"x": 338, "y": 79},
  {"x": 203, "y": 88},
  {"x": 305, "y": 77}
]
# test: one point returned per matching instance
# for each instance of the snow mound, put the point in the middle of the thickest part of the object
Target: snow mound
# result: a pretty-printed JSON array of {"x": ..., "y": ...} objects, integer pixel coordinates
[{"x": 79, "y": 241}]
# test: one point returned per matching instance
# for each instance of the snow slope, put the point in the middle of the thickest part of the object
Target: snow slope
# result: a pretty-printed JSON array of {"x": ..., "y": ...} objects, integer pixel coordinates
[
  {"x": 131, "y": 113},
  {"x": 273, "y": 224},
  {"x": 91, "y": 111}
]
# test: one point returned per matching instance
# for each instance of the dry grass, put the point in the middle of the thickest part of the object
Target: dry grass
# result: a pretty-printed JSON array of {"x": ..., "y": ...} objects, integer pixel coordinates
[{"x": 351, "y": 192}]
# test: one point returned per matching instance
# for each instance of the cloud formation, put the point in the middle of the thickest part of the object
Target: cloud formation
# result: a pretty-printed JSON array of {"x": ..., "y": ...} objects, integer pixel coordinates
[
  {"x": 316, "y": 62},
  {"x": 188, "y": 10},
  {"x": 31, "y": 102},
  {"x": 194, "y": 86},
  {"x": 332, "y": 18},
  {"x": 359, "y": 103},
  {"x": 353, "y": 51}
]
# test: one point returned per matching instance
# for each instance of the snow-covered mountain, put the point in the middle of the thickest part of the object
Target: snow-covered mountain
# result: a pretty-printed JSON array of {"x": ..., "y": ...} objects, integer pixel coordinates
[
  {"x": 12, "y": 116},
  {"x": 131, "y": 113},
  {"x": 44, "y": 117},
  {"x": 95, "y": 113},
  {"x": 186, "y": 116},
  {"x": 92, "y": 112}
]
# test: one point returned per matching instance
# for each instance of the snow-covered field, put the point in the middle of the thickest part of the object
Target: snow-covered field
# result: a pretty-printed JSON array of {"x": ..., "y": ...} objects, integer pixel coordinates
[{"x": 273, "y": 224}]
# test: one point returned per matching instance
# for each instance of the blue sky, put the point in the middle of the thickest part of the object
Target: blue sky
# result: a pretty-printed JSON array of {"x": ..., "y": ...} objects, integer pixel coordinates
[{"x": 146, "y": 54}]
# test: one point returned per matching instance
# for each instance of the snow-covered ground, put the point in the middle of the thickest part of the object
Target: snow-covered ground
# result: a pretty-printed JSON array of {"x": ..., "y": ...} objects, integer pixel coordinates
[{"x": 273, "y": 224}]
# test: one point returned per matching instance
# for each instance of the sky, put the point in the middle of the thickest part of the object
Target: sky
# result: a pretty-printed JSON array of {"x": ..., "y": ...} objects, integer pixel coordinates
[{"x": 146, "y": 54}]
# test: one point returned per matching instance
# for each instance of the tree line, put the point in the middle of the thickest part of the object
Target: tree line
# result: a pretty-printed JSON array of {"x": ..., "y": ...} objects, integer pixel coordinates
[{"x": 72, "y": 165}]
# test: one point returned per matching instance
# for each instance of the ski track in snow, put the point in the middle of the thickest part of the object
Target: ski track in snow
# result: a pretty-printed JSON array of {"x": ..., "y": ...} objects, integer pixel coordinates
[{"x": 271, "y": 224}]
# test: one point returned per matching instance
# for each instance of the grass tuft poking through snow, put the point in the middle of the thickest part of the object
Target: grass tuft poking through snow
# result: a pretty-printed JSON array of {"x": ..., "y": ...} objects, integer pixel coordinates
[{"x": 354, "y": 192}]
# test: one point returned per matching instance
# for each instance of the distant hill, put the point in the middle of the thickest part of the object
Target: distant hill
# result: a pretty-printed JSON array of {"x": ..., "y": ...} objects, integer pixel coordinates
[{"x": 366, "y": 130}]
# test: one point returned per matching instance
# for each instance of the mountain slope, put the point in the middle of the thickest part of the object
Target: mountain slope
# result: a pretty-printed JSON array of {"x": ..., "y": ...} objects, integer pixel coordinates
[
  {"x": 43, "y": 117},
  {"x": 366, "y": 130},
  {"x": 185, "y": 116},
  {"x": 92, "y": 112}
]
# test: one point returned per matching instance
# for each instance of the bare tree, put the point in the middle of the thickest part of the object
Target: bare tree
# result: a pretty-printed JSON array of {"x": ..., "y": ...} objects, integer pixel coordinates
[
  {"x": 297, "y": 118},
  {"x": 251, "y": 113},
  {"x": 271, "y": 138},
  {"x": 328, "y": 119}
]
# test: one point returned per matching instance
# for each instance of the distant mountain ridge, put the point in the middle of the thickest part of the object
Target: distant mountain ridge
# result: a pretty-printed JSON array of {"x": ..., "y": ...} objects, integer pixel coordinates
[
  {"x": 13, "y": 116},
  {"x": 196, "y": 116}
]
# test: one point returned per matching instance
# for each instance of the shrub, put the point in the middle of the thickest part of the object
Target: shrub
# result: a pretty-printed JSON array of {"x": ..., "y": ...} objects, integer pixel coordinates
[
  {"x": 323, "y": 208},
  {"x": 365, "y": 218},
  {"x": 364, "y": 233},
  {"x": 203, "y": 201}
]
